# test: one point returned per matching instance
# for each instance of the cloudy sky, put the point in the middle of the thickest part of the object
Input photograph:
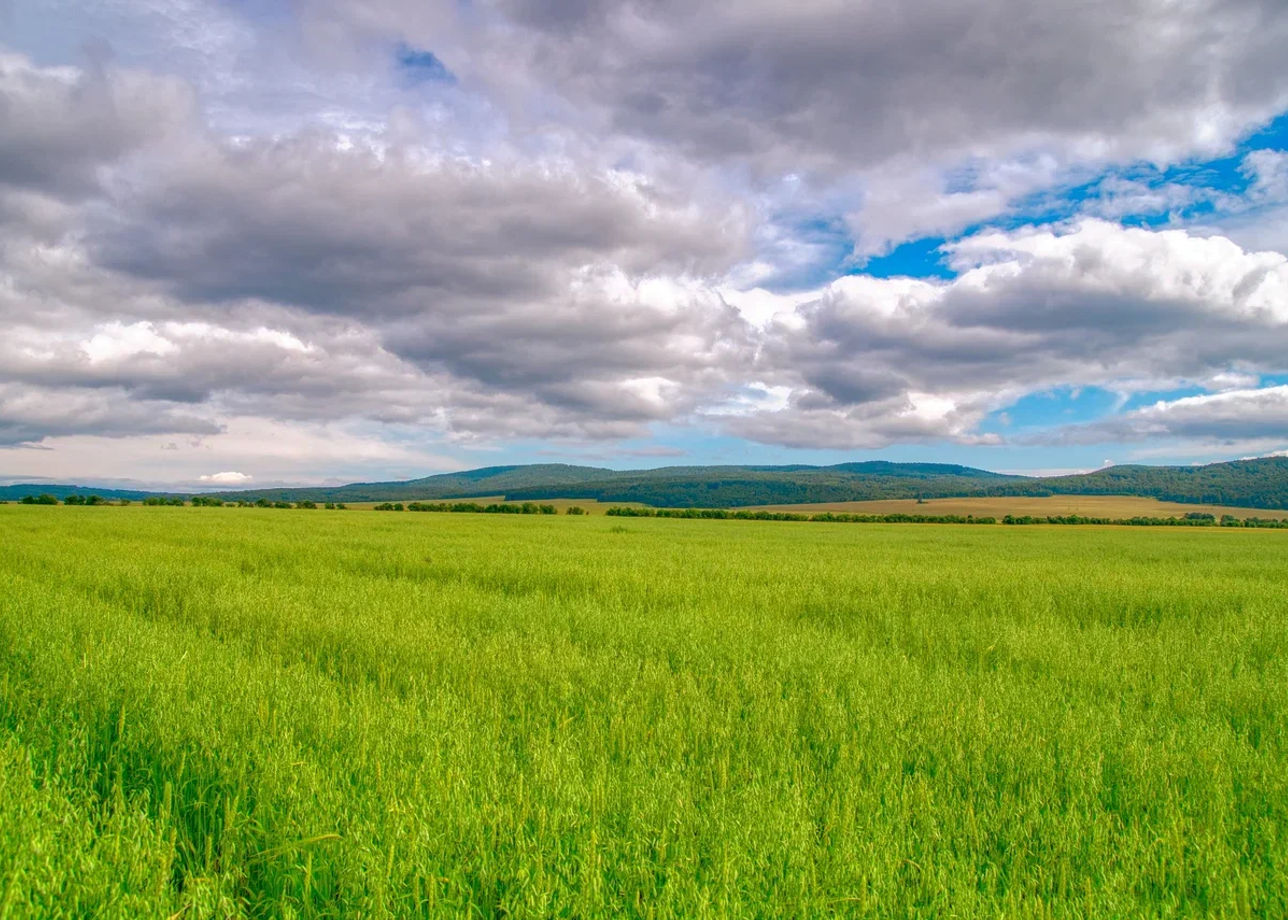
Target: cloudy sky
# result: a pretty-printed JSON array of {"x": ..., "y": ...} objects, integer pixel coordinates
[{"x": 264, "y": 241}]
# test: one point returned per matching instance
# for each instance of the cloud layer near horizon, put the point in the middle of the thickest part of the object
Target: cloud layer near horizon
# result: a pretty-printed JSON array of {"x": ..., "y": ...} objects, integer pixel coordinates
[{"x": 584, "y": 224}]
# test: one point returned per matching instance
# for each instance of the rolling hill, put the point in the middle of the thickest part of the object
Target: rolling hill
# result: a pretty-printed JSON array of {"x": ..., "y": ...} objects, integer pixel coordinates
[
  {"x": 726, "y": 486},
  {"x": 1259, "y": 483},
  {"x": 735, "y": 486},
  {"x": 13, "y": 493},
  {"x": 489, "y": 480}
]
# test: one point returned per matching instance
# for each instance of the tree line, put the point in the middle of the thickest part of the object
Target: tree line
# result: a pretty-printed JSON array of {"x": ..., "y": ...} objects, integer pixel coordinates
[
  {"x": 475, "y": 508},
  {"x": 836, "y": 517},
  {"x": 1191, "y": 519},
  {"x": 196, "y": 501}
]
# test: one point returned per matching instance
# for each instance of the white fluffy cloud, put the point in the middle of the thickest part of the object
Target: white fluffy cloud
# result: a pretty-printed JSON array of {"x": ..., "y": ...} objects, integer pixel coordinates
[
  {"x": 1233, "y": 417},
  {"x": 228, "y": 478},
  {"x": 878, "y": 361},
  {"x": 1268, "y": 170}
]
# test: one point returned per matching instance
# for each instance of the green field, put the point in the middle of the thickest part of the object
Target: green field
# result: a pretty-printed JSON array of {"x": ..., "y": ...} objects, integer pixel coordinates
[{"x": 221, "y": 712}]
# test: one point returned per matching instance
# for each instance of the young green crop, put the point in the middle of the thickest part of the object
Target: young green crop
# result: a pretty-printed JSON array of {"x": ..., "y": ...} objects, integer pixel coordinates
[{"x": 230, "y": 712}]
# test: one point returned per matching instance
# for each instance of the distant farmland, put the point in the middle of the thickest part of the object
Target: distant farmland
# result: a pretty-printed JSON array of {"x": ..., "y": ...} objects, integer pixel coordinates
[
  {"x": 221, "y": 712},
  {"x": 1108, "y": 506}
]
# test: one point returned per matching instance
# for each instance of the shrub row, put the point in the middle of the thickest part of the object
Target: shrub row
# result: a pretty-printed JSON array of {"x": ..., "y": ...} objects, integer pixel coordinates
[
  {"x": 46, "y": 499},
  {"x": 210, "y": 501},
  {"x": 1191, "y": 519},
  {"x": 197, "y": 501},
  {"x": 473, "y": 508},
  {"x": 835, "y": 517}
]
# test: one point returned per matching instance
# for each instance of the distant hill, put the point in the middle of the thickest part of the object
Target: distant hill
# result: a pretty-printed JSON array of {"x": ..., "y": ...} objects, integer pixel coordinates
[
  {"x": 676, "y": 486},
  {"x": 735, "y": 486},
  {"x": 489, "y": 480},
  {"x": 15, "y": 492},
  {"x": 1261, "y": 483}
]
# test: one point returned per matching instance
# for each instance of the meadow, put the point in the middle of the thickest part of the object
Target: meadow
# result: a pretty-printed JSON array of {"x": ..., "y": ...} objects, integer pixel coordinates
[{"x": 218, "y": 712}]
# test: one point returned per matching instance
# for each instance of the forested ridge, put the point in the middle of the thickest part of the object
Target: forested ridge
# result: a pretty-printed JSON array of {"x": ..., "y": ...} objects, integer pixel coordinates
[{"x": 1259, "y": 483}]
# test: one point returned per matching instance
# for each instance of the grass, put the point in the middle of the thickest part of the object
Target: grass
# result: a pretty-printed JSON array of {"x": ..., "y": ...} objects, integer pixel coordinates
[
  {"x": 232, "y": 712},
  {"x": 1102, "y": 506}
]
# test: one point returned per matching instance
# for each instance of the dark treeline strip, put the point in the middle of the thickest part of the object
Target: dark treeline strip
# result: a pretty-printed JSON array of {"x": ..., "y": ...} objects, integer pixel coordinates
[
  {"x": 473, "y": 508},
  {"x": 214, "y": 501},
  {"x": 727, "y": 514},
  {"x": 1192, "y": 519},
  {"x": 197, "y": 501}
]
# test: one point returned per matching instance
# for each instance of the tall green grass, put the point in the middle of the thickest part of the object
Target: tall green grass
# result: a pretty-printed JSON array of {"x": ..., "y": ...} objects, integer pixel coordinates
[{"x": 217, "y": 713}]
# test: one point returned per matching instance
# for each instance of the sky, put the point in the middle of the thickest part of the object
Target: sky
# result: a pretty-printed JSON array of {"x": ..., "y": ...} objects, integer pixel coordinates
[{"x": 314, "y": 241}]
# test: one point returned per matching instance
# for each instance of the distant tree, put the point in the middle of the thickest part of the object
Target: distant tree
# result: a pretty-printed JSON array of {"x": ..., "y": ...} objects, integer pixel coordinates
[
  {"x": 305, "y": 504},
  {"x": 574, "y": 509},
  {"x": 74, "y": 500}
]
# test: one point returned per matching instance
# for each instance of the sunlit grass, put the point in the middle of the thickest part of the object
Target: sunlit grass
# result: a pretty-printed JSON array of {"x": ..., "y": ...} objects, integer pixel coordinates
[{"x": 232, "y": 712}]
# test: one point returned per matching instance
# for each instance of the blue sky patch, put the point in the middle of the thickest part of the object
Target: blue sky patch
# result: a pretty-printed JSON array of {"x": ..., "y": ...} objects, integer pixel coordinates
[
  {"x": 919, "y": 259},
  {"x": 418, "y": 66},
  {"x": 1060, "y": 406}
]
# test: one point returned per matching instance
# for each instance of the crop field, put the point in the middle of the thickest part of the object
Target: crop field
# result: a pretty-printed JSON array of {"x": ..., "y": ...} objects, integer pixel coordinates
[
  {"x": 215, "y": 712},
  {"x": 1101, "y": 506}
]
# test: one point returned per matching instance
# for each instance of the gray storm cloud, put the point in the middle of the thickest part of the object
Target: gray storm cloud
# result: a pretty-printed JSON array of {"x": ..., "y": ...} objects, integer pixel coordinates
[{"x": 831, "y": 86}]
